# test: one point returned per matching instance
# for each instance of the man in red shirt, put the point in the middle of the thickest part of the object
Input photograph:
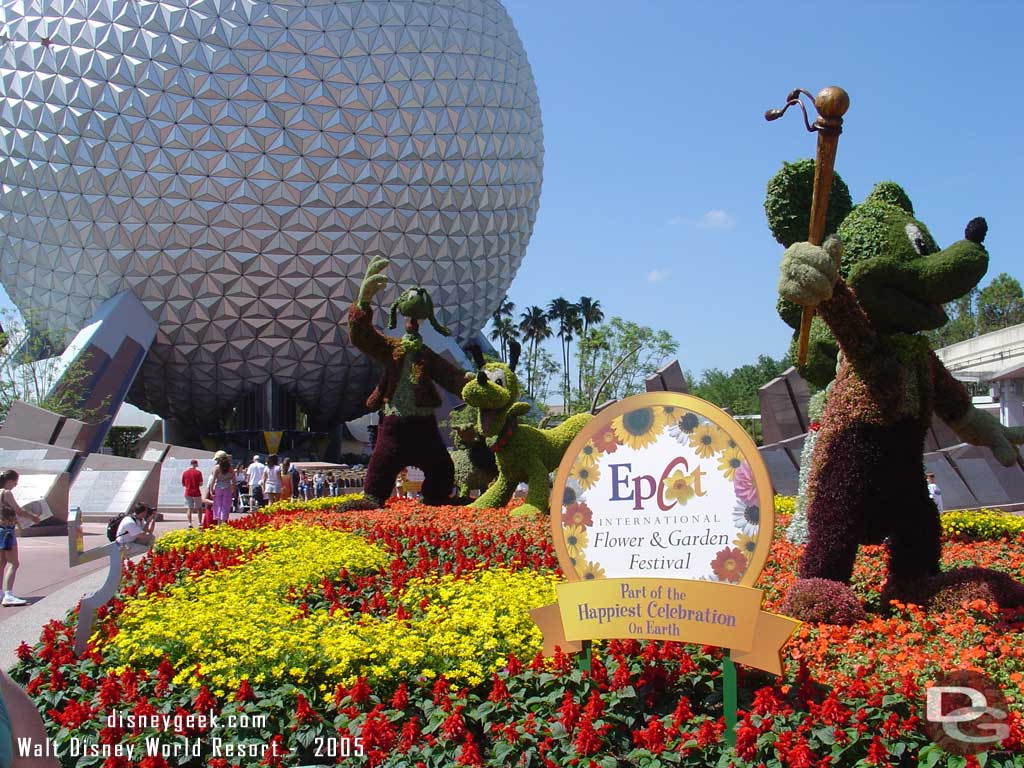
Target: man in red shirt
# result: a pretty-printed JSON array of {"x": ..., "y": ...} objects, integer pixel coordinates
[{"x": 192, "y": 479}]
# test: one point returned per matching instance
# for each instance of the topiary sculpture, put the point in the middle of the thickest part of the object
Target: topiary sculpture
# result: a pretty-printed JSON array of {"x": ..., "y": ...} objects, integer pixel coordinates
[
  {"x": 408, "y": 433},
  {"x": 866, "y": 481},
  {"x": 524, "y": 454}
]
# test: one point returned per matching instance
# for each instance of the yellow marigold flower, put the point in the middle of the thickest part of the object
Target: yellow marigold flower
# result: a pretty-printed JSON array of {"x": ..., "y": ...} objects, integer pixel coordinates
[
  {"x": 707, "y": 440},
  {"x": 575, "y": 537},
  {"x": 730, "y": 460}
]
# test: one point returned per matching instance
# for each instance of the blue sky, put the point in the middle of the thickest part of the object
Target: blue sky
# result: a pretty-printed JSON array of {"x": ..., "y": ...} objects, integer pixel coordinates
[{"x": 657, "y": 152}]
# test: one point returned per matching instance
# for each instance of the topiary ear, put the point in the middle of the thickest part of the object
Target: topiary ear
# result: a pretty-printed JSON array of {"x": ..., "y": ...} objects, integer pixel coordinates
[
  {"x": 892, "y": 193},
  {"x": 787, "y": 203},
  {"x": 519, "y": 409},
  {"x": 433, "y": 320}
]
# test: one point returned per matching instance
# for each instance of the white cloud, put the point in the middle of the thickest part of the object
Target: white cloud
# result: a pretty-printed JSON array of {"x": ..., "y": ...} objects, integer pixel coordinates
[
  {"x": 657, "y": 275},
  {"x": 677, "y": 221},
  {"x": 717, "y": 219}
]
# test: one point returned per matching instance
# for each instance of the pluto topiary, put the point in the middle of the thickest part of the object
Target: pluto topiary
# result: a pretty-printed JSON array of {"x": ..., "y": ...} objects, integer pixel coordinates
[{"x": 524, "y": 454}]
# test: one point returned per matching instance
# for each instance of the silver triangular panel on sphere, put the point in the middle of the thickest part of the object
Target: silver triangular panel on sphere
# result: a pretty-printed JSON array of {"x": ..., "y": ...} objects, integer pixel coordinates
[{"x": 236, "y": 165}]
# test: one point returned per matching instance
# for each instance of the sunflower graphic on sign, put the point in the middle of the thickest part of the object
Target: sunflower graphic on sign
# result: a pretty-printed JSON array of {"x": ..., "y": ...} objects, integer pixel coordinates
[{"x": 662, "y": 485}]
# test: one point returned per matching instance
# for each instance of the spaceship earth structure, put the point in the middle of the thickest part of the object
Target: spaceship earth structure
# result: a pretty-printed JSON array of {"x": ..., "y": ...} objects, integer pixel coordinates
[{"x": 236, "y": 163}]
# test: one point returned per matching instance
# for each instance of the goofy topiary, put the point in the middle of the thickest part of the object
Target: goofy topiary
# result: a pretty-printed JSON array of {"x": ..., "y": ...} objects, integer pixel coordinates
[
  {"x": 524, "y": 454},
  {"x": 408, "y": 433},
  {"x": 866, "y": 482}
]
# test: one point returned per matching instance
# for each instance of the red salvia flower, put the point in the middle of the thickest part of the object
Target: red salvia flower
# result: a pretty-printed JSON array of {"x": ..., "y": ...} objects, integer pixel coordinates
[
  {"x": 359, "y": 692},
  {"x": 245, "y": 691},
  {"x": 499, "y": 691},
  {"x": 401, "y": 698},
  {"x": 569, "y": 712},
  {"x": 470, "y": 753}
]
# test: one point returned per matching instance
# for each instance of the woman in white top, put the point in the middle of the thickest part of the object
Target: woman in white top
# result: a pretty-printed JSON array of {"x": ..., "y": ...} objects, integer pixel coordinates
[{"x": 272, "y": 479}]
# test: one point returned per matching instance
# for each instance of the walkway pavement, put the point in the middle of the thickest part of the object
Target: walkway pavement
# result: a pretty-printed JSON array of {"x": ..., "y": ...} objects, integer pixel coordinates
[{"x": 52, "y": 587}]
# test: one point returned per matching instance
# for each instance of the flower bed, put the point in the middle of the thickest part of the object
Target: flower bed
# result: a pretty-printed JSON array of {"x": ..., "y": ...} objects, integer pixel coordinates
[{"x": 401, "y": 637}]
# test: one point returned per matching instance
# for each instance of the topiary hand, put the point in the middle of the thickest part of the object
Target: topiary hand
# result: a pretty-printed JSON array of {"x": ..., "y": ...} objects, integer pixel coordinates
[
  {"x": 809, "y": 272},
  {"x": 980, "y": 428},
  {"x": 374, "y": 281}
]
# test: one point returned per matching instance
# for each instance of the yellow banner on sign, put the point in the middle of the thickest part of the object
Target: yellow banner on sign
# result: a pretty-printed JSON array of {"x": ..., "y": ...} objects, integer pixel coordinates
[
  {"x": 273, "y": 440},
  {"x": 704, "y": 612}
]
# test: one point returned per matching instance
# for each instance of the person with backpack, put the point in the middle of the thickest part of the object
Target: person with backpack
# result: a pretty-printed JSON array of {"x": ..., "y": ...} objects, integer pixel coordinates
[{"x": 134, "y": 531}]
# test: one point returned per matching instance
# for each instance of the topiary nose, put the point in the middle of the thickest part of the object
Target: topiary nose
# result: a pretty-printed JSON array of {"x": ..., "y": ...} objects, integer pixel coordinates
[{"x": 481, "y": 378}]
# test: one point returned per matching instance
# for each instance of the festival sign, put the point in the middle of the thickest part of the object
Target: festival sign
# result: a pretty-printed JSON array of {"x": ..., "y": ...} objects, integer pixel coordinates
[{"x": 662, "y": 516}]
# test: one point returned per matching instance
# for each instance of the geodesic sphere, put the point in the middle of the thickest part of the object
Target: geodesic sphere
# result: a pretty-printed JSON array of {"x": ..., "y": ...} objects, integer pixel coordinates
[{"x": 236, "y": 163}]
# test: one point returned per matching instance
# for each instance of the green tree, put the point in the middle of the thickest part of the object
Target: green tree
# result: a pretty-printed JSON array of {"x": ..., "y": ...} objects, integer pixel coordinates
[
  {"x": 122, "y": 440},
  {"x": 962, "y": 323},
  {"x": 591, "y": 314},
  {"x": 502, "y": 327},
  {"x": 1000, "y": 304},
  {"x": 533, "y": 324},
  {"x": 567, "y": 315},
  {"x": 737, "y": 391},
  {"x": 546, "y": 369},
  {"x": 626, "y": 354},
  {"x": 504, "y": 330},
  {"x": 30, "y": 366}
]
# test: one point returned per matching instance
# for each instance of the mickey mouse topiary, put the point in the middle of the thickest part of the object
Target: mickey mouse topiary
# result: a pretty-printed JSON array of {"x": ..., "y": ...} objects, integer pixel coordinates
[{"x": 866, "y": 479}]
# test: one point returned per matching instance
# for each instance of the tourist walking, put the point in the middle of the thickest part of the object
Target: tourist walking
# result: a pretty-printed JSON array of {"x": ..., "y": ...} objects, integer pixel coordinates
[
  {"x": 9, "y": 511},
  {"x": 192, "y": 480},
  {"x": 254, "y": 476},
  {"x": 222, "y": 487},
  {"x": 272, "y": 479},
  {"x": 293, "y": 473},
  {"x": 287, "y": 489},
  {"x": 934, "y": 492},
  {"x": 241, "y": 486}
]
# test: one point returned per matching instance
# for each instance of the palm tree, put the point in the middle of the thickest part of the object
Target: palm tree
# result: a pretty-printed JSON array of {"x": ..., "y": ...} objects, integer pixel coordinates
[
  {"x": 535, "y": 328},
  {"x": 567, "y": 315},
  {"x": 502, "y": 321},
  {"x": 591, "y": 314},
  {"x": 503, "y": 330}
]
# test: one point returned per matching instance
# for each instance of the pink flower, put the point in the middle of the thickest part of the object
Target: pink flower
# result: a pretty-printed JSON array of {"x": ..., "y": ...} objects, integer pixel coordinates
[{"x": 744, "y": 485}]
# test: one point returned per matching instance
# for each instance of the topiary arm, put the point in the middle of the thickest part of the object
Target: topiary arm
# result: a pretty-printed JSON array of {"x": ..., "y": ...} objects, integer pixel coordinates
[
  {"x": 366, "y": 338},
  {"x": 860, "y": 343},
  {"x": 952, "y": 400},
  {"x": 974, "y": 426},
  {"x": 449, "y": 376}
]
